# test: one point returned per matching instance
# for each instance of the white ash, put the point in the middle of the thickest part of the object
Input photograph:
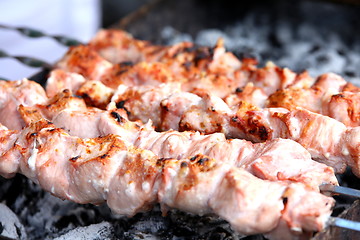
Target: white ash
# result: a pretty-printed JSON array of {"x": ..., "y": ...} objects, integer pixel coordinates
[
  {"x": 45, "y": 213},
  {"x": 10, "y": 226},
  {"x": 100, "y": 231}
]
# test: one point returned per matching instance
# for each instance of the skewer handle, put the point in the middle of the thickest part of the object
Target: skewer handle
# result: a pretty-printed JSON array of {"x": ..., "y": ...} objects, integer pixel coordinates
[{"x": 340, "y": 190}]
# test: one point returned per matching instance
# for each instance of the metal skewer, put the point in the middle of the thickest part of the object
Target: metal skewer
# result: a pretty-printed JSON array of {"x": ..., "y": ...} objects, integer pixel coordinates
[
  {"x": 340, "y": 190},
  {"x": 344, "y": 223},
  {"x": 28, "y": 61},
  {"x": 33, "y": 33}
]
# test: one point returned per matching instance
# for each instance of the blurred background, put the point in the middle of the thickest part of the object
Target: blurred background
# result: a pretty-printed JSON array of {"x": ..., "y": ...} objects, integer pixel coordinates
[
  {"x": 320, "y": 36},
  {"x": 79, "y": 19}
]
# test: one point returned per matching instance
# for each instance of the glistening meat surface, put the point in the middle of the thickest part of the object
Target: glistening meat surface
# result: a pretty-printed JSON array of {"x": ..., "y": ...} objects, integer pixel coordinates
[
  {"x": 130, "y": 180},
  {"x": 330, "y": 95},
  {"x": 14, "y": 93},
  {"x": 328, "y": 140},
  {"x": 207, "y": 69},
  {"x": 210, "y": 69},
  {"x": 283, "y": 156}
]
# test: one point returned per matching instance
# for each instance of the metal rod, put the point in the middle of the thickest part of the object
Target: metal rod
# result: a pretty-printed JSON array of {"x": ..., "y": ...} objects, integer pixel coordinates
[
  {"x": 28, "y": 61},
  {"x": 344, "y": 223},
  {"x": 34, "y": 33},
  {"x": 340, "y": 190}
]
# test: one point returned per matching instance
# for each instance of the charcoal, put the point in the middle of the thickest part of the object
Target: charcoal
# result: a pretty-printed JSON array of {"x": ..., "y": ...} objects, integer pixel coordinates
[
  {"x": 100, "y": 231},
  {"x": 5, "y": 186},
  {"x": 153, "y": 224},
  {"x": 10, "y": 226}
]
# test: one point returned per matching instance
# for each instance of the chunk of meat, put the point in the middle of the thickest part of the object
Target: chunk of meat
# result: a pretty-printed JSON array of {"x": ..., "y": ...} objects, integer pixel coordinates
[
  {"x": 138, "y": 100},
  {"x": 330, "y": 95},
  {"x": 249, "y": 93},
  {"x": 84, "y": 171},
  {"x": 85, "y": 61},
  {"x": 271, "y": 78},
  {"x": 118, "y": 46},
  {"x": 173, "y": 107},
  {"x": 9, "y": 161},
  {"x": 238, "y": 183},
  {"x": 60, "y": 80},
  {"x": 15, "y": 93},
  {"x": 134, "y": 187},
  {"x": 142, "y": 73},
  {"x": 189, "y": 185},
  {"x": 95, "y": 94},
  {"x": 344, "y": 107},
  {"x": 292, "y": 98},
  {"x": 320, "y": 135},
  {"x": 208, "y": 116},
  {"x": 308, "y": 207}
]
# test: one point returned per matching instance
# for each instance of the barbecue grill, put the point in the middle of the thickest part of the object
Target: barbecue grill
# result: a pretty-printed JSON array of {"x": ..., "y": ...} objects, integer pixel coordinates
[{"x": 317, "y": 36}]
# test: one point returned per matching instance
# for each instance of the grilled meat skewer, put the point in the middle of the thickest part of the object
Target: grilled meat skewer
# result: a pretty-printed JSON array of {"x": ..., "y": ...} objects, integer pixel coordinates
[
  {"x": 328, "y": 140},
  {"x": 211, "y": 69},
  {"x": 64, "y": 110},
  {"x": 131, "y": 180},
  {"x": 276, "y": 160},
  {"x": 331, "y": 95},
  {"x": 152, "y": 73}
]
